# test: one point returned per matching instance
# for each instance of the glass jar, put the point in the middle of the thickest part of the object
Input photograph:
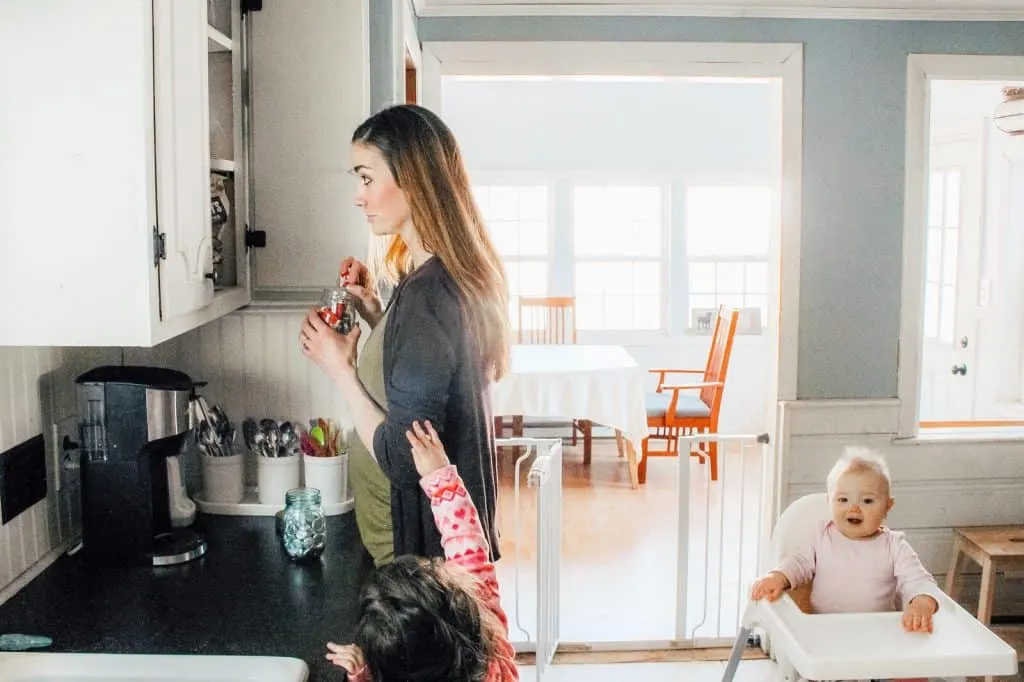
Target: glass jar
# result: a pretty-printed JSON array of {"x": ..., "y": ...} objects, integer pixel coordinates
[
  {"x": 337, "y": 310},
  {"x": 305, "y": 527}
]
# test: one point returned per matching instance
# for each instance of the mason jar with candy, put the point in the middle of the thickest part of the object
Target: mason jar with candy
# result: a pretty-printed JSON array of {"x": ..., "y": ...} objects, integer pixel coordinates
[{"x": 337, "y": 310}]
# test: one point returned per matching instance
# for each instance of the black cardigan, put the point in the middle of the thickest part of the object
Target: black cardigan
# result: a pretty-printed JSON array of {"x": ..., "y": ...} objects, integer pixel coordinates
[{"x": 432, "y": 371}]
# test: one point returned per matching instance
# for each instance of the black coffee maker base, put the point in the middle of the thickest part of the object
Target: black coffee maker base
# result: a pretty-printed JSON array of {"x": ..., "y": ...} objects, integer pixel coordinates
[{"x": 177, "y": 547}]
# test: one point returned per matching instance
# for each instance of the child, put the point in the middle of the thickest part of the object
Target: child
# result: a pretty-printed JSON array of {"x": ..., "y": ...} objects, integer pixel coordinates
[
  {"x": 427, "y": 619},
  {"x": 856, "y": 563}
]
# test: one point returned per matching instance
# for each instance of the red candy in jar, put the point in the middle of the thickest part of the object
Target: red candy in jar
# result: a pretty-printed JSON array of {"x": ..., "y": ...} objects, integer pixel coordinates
[{"x": 336, "y": 311}]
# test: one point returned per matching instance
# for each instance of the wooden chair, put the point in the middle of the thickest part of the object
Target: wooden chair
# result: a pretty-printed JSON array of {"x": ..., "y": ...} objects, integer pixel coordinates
[
  {"x": 548, "y": 320},
  {"x": 671, "y": 414}
]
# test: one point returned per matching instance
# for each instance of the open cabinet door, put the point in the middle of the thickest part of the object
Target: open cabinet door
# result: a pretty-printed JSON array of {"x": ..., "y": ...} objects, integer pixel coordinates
[{"x": 180, "y": 81}]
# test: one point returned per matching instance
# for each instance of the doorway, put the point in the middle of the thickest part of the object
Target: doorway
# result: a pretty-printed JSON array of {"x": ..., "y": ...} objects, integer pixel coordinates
[
  {"x": 971, "y": 378},
  {"x": 542, "y": 203}
]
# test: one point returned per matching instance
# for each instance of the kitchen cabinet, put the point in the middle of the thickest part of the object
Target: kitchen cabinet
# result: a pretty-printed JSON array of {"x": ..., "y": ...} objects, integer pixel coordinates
[
  {"x": 118, "y": 117},
  {"x": 310, "y": 89}
]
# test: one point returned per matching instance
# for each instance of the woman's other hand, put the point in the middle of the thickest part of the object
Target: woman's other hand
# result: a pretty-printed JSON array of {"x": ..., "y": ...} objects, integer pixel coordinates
[
  {"x": 355, "y": 277},
  {"x": 335, "y": 353},
  {"x": 427, "y": 451}
]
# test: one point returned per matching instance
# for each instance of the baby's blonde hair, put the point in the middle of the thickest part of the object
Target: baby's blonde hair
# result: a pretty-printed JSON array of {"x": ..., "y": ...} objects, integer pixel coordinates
[{"x": 858, "y": 458}]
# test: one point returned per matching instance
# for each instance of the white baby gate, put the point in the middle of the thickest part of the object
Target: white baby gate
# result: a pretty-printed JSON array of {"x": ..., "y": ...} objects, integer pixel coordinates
[
  {"x": 545, "y": 476},
  {"x": 720, "y": 530},
  {"x": 733, "y": 516}
]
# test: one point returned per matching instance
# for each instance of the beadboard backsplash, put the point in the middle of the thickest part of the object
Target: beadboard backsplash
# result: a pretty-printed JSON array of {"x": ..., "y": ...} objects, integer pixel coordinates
[
  {"x": 253, "y": 366},
  {"x": 34, "y": 532}
]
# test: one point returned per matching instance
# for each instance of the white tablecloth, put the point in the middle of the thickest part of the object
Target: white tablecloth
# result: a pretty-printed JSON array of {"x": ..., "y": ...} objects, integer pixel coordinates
[{"x": 600, "y": 383}]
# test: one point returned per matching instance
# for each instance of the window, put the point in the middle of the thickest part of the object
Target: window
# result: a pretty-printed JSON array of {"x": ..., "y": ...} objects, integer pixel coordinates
[
  {"x": 728, "y": 231},
  {"x": 618, "y": 251},
  {"x": 941, "y": 248},
  {"x": 517, "y": 217}
]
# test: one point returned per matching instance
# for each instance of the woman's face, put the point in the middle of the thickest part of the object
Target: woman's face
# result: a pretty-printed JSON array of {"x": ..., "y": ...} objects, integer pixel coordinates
[{"x": 379, "y": 196}]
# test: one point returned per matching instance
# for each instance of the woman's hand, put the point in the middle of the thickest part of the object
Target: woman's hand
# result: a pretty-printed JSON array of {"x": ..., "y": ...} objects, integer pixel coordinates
[
  {"x": 347, "y": 656},
  {"x": 335, "y": 353},
  {"x": 355, "y": 277},
  {"x": 917, "y": 615},
  {"x": 427, "y": 452}
]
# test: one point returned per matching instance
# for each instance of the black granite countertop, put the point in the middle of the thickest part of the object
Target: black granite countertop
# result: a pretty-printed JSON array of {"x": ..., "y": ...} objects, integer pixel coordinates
[{"x": 243, "y": 597}]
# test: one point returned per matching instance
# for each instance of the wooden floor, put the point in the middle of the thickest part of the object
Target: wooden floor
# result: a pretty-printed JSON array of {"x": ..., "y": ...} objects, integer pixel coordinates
[{"x": 619, "y": 548}]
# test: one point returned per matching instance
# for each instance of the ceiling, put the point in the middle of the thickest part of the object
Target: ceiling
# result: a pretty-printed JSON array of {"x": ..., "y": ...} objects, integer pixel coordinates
[{"x": 967, "y": 10}]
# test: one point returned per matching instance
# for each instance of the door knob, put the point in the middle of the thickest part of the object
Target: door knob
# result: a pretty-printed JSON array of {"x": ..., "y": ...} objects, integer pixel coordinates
[
  {"x": 960, "y": 369},
  {"x": 963, "y": 342}
]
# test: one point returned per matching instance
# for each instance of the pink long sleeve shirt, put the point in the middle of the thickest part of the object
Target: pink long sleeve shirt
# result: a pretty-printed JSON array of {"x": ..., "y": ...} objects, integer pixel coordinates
[{"x": 882, "y": 573}]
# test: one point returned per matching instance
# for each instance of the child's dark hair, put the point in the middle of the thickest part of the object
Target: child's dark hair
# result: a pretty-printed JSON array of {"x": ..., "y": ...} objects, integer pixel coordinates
[{"x": 420, "y": 620}]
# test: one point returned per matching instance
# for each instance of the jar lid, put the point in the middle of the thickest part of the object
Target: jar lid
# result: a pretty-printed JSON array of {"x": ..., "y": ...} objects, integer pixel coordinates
[{"x": 302, "y": 496}]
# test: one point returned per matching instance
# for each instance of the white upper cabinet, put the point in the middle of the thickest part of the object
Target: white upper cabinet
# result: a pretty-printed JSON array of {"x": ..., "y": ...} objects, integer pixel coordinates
[{"x": 117, "y": 120}]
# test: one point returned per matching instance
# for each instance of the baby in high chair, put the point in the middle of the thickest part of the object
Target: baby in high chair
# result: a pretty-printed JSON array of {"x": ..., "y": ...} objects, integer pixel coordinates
[{"x": 856, "y": 564}]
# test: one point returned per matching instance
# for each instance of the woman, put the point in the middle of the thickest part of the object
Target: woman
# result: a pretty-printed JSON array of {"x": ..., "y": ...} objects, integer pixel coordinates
[{"x": 434, "y": 350}]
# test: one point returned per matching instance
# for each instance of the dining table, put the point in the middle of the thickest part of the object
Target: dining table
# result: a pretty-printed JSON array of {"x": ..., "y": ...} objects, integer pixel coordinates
[{"x": 602, "y": 384}]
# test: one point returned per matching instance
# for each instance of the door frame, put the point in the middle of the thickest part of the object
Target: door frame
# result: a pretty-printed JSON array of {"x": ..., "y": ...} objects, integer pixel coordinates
[
  {"x": 921, "y": 70},
  {"x": 783, "y": 61}
]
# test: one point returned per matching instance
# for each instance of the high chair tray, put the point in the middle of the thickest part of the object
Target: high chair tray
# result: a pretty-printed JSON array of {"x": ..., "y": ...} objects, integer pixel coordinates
[{"x": 874, "y": 645}]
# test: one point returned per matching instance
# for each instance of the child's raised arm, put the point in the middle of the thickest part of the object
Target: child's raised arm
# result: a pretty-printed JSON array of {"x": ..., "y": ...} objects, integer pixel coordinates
[{"x": 462, "y": 537}]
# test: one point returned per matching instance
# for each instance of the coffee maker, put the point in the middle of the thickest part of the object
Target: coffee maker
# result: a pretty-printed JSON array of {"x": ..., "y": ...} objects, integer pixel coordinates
[{"x": 135, "y": 424}]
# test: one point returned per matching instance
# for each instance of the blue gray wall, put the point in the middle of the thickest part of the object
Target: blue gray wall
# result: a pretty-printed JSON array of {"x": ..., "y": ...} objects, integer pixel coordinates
[
  {"x": 383, "y": 54},
  {"x": 854, "y": 118}
]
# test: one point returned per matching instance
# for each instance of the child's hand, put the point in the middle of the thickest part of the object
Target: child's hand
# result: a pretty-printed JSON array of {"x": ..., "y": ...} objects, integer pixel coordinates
[
  {"x": 917, "y": 615},
  {"x": 427, "y": 451},
  {"x": 347, "y": 656},
  {"x": 769, "y": 587}
]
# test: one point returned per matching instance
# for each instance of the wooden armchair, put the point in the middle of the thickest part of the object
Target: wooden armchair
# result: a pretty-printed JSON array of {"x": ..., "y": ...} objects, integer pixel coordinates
[
  {"x": 671, "y": 414},
  {"x": 548, "y": 320}
]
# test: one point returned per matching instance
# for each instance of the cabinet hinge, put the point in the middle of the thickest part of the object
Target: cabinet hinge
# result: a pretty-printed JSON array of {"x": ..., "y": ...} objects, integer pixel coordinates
[{"x": 159, "y": 247}]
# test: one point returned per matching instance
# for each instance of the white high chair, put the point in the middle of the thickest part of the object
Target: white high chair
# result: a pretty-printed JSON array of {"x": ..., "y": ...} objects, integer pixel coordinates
[{"x": 853, "y": 646}]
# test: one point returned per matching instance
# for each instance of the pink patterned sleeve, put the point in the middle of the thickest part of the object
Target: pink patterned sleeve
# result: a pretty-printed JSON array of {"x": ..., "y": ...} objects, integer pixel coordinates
[
  {"x": 462, "y": 537},
  {"x": 465, "y": 546}
]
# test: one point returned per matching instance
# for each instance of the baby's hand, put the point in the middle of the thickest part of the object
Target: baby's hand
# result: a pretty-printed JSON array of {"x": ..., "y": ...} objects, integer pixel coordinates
[
  {"x": 427, "y": 451},
  {"x": 917, "y": 615},
  {"x": 770, "y": 587},
  {"x": 347, "y": 656}
]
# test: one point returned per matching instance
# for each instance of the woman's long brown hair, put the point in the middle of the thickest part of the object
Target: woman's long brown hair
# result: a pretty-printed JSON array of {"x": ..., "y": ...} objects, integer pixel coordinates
[{"x": 425, "y": 160}]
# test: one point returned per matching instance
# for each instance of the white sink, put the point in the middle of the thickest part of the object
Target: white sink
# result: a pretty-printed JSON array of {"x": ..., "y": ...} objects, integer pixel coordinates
[{"x": 54, "y": 667}]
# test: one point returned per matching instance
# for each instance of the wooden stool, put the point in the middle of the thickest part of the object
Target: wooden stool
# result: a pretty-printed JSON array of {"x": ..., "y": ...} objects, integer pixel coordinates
[{"x": 994, "y": 548}]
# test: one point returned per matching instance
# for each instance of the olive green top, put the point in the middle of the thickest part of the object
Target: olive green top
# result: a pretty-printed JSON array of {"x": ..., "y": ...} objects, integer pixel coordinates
[{"x": 369, "y": 484}]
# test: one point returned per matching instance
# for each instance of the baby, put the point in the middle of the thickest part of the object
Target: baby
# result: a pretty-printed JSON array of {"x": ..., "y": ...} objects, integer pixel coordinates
[{"x": 856, "y": 563}]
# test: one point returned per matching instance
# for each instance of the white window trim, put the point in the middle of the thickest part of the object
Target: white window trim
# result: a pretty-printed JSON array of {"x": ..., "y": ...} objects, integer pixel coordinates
[{"x": 921, "y": 70}]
